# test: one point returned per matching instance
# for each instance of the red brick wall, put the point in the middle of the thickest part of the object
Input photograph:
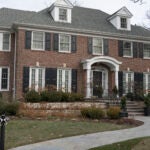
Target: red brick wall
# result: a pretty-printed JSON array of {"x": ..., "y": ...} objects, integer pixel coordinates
[{"x": 73, "y": 60}]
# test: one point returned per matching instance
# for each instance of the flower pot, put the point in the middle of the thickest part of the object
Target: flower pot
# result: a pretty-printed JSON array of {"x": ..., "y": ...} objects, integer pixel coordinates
[
  {"x": 147, "y": 111},
  {"x": 123, "y": 114}
]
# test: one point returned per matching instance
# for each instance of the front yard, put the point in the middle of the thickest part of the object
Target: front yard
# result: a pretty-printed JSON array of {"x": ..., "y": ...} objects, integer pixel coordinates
[{"x": 22, "y": 132}]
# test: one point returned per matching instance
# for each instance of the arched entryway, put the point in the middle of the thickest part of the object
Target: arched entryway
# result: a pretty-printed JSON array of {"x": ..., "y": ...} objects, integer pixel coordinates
[{"x": 97, "y": 71}]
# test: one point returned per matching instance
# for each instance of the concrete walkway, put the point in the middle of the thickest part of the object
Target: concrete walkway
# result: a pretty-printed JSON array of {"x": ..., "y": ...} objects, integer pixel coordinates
[{"x": 85, "y": 142}]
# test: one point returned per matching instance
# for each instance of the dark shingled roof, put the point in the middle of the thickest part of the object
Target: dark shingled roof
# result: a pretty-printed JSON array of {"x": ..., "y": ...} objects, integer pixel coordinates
[{"x": 82, "y": 18}]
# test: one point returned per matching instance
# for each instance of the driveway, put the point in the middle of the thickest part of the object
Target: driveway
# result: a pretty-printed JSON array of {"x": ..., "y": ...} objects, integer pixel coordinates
[{"x": 85, "y": 142}]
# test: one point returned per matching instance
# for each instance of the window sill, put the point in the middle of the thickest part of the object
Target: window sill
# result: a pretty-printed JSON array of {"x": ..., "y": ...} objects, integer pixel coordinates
[
  {"x": 146, "y": 57},
  {"x": 4, "y": 90},
  {"x": 38, "y": 50},
  {"x": 65, "y": 52},
  {"x": 98, "y": 54},
  {"x": 5, "y": 51},
  {"x": 128, "y": 56}
]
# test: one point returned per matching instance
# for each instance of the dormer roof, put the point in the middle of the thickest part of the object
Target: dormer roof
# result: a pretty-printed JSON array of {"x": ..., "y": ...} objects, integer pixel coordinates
[{"x": 124, "y": 12}]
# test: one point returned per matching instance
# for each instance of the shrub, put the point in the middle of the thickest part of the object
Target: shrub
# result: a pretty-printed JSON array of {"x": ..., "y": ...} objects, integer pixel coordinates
[
  {"x": 74, "y": 97},
  {"x": 113, "y": 112},
  {"x": 147, "y": 101},
  {"x": 12, "y": 109},
  {"x": 123, "y": 103},
  {"x": 55, "y": 96},
  {"x": 115, "y": 91},
  {"x": 9, "y": 108},
  {"x": 32, "y": 96},
  {"x": 65, "y": 97},
  {"x": 45, "y": 96},
  {"x": 92, "y": 113}
]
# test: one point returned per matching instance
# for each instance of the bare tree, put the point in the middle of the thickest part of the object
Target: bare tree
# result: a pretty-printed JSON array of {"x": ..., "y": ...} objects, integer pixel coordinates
[{"x": 138, "y": 1}]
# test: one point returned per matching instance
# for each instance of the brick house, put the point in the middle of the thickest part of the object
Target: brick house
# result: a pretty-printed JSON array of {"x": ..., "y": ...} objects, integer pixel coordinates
[{"x": 75, "y": 49}]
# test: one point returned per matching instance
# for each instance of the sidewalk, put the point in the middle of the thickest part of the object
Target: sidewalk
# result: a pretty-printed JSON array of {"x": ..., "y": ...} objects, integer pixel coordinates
[{"x": 85, "y": 142}]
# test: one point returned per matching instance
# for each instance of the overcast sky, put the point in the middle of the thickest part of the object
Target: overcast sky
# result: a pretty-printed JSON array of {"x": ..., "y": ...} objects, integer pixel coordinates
[{"x": 109, "y": 6}]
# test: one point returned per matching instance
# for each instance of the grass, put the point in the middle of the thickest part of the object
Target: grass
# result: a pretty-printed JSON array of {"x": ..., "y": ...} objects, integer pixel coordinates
[
  {"x": 135, "y": 144},
  {"x": 22, "y": 132}
]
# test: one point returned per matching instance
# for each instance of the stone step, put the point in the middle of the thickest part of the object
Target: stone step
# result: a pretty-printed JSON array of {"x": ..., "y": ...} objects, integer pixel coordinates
[{"x": 136, "y": 114}]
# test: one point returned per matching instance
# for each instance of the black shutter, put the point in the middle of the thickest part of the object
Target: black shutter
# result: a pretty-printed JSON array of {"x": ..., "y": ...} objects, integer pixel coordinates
[
  {"x": 25, "y": 79},
  {"x": 51, "y": 77},
  {"x": 74, "y": 80},
  {"x": 106, "y": 47},
  {"x": 56, "y": 42},
  {"x": 141, "y": 48},
  {"x": 138, "y": 83},
  {"x": 48, "y": 41},
  {"x": 73, "y": 44},
  {"x": 120, "y": 48},
  {"x": 28, "y": 39},
  {"x": 90, "y": 45},
  {"x": 135, "y": 50},
  {"x": 120, "y": 77}
]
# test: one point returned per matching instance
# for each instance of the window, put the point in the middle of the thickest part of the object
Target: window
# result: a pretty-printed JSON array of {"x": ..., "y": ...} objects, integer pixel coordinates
[
  {"x": 37, "y": 40},
  {"x": 4, "y": 79},
  {"x": 147, "y": 83},
  {"x": 123, "y": 22},
  {"x": 37, "y": 78},
  {"x": 127, "y": 49},
  {"x": 97, "y": 46},
  {"x": 4, "y": 41},
  {"x": 65, "y": 43},
  {"x": 64, "y": 80},
  {"x": 62, "y": 14},
  {"x": 128, "y": 79},
  {"x": 146, "y": 50}
]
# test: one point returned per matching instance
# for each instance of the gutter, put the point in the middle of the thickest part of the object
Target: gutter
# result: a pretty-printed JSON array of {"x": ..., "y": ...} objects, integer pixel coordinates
[
  {"x": 14, "y": 82},
  {"x": 84, "y": 31}
]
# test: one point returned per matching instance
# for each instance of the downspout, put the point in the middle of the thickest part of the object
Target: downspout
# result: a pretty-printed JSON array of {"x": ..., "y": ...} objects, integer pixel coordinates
[{"x": 14, "y": 87}]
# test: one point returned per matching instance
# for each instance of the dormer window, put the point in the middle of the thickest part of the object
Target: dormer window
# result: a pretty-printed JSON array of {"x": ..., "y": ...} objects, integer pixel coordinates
[
  {"x": 62, "y": 14},
  {"x": 123, "y": 22}
]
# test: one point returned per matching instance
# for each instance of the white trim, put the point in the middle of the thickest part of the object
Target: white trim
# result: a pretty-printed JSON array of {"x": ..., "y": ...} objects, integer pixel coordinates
[
  {"x": 146, "y": 74},
  {"x": 61, "y": 51},
  {"x": 43, "y": 41},
  {"x": 86, "y": 33},
  {"x": 131, "y": 48},
  {"x": 8, "y": 81},
  {"x": 1, "y": 49}
]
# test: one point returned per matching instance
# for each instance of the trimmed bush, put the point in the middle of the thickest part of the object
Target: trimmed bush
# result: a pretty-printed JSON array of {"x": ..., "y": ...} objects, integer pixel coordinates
[
  {"x": 92, "y": 113},
  {"x": 55, "y": 96},
  {"x": 32, "y": 96},
  {"x": 45, "y": 96},
  {"x": 74, "y": 97},
  {"x": 65, "y": 97},
  {"x": 113, "y": 112},
  {"x": 9, "y": 108}
]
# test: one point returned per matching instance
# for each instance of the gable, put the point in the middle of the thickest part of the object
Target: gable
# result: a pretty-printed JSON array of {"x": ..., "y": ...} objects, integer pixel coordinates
[
  {"x": 124, "y": 12},
  {"x": 63, "y": 3}
]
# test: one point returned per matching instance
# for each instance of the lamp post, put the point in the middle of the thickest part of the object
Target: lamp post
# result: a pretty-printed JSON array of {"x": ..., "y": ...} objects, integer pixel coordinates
[{"x": 3, "y": 121}]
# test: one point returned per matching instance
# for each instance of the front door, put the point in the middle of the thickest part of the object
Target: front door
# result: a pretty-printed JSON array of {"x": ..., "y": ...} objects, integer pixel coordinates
[{"x": 97, "y": 83}]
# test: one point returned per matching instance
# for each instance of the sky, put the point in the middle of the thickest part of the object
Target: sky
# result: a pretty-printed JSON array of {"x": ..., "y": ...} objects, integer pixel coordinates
[{"x": 108, "y": 6}]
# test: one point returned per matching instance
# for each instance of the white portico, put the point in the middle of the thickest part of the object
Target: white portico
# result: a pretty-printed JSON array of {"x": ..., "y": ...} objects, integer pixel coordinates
[{"x": 110, "y": 62}]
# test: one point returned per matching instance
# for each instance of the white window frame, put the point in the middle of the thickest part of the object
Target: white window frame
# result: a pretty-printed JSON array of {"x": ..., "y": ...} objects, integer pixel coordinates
[
  {"x": 131, "y": 48},
  {"x": 66, "y": 15},
  {"x": 8, "y": 82},
  {"x": 37, "y": 78},
  {"x": 36, "y": 49},
  {"x": 1, "y": 40},
  {"x": 145, "y": 57},
  {"x": 121, "y": 23},
  {"x": 146, "y": 83},
  {"x": 126, "y": 82},
  {"x": 63, "y": 79},
  {"x": 62, "y": 51},
  {"x": 102, "y": 41}
]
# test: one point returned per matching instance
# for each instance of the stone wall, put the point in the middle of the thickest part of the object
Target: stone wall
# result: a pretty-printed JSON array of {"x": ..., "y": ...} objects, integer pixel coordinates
[{"x": 35, "y": 110}]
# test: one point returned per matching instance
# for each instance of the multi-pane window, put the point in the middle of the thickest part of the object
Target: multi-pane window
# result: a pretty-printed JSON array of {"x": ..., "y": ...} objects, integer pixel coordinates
[
  {"x": 147, "y": 83},
  {"x": 64, "y": 80},
  {"x": 128, "y": 79},
  {"x": 123, "y": 22},
  {"x": 4, "y": 79},
  {"x": 147, "y": 50},
  {"x": 37, "y": 78},
  {"x": 64, "y": 43},
  {"x": 127, "y": 49},
  {"x": 4, "y": 41},
  {"x": 63, "y": 14},
  {"x": 38, "y": 40},
  {"x": 97, "y": 46}
]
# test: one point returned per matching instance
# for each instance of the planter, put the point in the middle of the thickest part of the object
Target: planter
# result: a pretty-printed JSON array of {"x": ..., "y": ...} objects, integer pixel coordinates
[
  {"x": 147, "y": 111},
  {"x": 123, "y": 114}
]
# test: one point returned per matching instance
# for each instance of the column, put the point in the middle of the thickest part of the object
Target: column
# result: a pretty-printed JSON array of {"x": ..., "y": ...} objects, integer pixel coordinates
[
  {"x": 116, "y": 77},
  {"x": 88, "y": 83}
]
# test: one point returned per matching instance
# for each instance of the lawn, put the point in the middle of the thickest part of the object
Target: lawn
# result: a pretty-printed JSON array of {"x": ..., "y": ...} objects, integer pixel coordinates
[
  {"x": 135, "y": 144},
  {"x": 22, "y": 132}
]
